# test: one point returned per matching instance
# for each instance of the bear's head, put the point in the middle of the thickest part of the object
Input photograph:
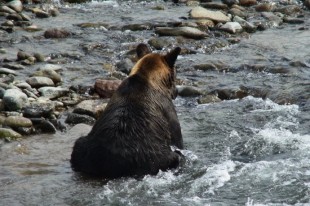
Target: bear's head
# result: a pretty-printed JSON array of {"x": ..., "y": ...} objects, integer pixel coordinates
[{"x": 158, "y": 70}]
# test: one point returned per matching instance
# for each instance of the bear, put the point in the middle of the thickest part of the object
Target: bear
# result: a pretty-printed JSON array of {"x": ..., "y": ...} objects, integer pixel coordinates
[{"x": 138, "y": 133}]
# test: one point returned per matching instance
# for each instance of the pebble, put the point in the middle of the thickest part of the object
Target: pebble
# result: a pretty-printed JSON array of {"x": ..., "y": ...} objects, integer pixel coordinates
[
  {"x": 106, "y": 88},
  {"x": 14, "y": 99},
  {"x": 53, "y": 92},
  {"x": 9, "y": 133},
  {"x": 37, "y": 82},
  {"x": 74, "y": 118},
  {"x": 188, "y": 32},
  {"x": 231, "y": 27},
  {"x": 17, "y": 121},
  {"x": 200, "y": 12}
]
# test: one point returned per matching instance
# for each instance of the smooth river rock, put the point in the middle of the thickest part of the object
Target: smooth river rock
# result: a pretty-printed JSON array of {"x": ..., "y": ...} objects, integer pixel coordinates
[
  {"x": 40, "y": 81},
  {"x": 17, "y": 121},
  {"x": 231, "y": 27},
  {"x": 53, "y": 92},
  {"x": 202, "y": 13},
  {"x": 93, "y": 108},
  {"x": 105, "y": 88},
  {"x": 188, "y": 32},
  {"x": 14, "y": 99},
  {"x": 9, "y": 133},
  {"x": 50, "y": 73}
]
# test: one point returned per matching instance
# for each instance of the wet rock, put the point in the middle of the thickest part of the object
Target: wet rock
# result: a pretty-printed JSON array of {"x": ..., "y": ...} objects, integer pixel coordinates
[
  {"x": 209, "y": 98},
  {"x": 50, "y": 73},
  {"x": 188, "y": 32},
  {"x": 14, "y": 17},
  {"x": 291, "y": 20},
  {"x": 276, "y": 20},
  {"x": 7, "y": 71},
  {"x": 23, "y": 55},
  {"x": 188, "y": 91},
  {"x": 37, "y": 82},
  {"x": 307, "y": 3},
  {"x": 105, "y": 88},
  {"x": 237, "y": 12},
  {"x": 214, "y": 5},
  {"x": 2, "y": 91},
  {"x": 231, "y": 27},
  {"x": 54, "y": 12},
  {"x": 39, "y": 110},
  {"x": 93, "y": 108},
  {"x": 205, "y": 67},
  {"x": 205, "y": 23},
  {"x": 43, "y": 126},
  {"x": 136, "y": 27},
  {"x": 40, "y": 13},
  {"x": 14, "y": 66},
  {"x": 32, "y": 28},
  {"x": 16, "y": 5},
  {"x": 25, "y": 17},
  {"x": 14, "y": 99},
  {"x": 289, "y": 10},
  {"x": 160, "y": 42},
  {"x": 39, "y": 57},
  {"x": 7, "y": 9},
  {"x": 53, "y": 92},
  {"x": 264, "y": 7},
  {"x": 56, "y": 33},
  {"x": 23, "y": 85},
  {"x": 17, "y": 121},
  {"x": 9, "y": 133},
  {"x": 224, "y": 94},
  {"x": 247, "y": 2},
  {"x": 74, "y": 118},
  {"x": 51, "y": 67},
  {"x": 200, "y": 13},
  {"x": 124, "y": 65},
  {"x": 230, "y": 2},
  {"x": 8, "y": 23}
]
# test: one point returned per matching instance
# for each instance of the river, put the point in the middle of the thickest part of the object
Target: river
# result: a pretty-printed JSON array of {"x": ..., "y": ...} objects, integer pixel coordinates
[{"x": 250, "y": 151}]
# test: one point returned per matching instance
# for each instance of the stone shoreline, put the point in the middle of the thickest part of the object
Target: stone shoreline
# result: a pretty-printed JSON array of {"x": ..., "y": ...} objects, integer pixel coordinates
[{"x": 42, "y": 104}]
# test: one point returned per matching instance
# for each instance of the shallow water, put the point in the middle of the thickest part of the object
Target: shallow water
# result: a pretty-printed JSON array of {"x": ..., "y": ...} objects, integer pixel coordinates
[{"x": 238, "y": 152}]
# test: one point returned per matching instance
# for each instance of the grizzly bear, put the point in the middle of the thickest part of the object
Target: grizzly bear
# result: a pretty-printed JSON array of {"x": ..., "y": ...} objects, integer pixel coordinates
[{"x": 134, "y": 135}]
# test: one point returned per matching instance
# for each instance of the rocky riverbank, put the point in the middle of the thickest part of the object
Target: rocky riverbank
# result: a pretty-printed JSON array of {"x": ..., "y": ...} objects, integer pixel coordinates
[{"x": 36, "y": 95}]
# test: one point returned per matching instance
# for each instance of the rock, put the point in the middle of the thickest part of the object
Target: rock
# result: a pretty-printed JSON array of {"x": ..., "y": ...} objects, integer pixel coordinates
[
  {"x": 25, "y": 17},
  {"x": 22, "y": 55},
  {"x": 264, "y": 7},
  {"x": 43, "y": 126},
  {"x": 14, "y": 17},
  {"x": 40, "y": 13},
  {"x": 7, "y": 71},
  {"x": 8, "y": 23},
  {"x": 205, "y": 67},
  {"x": 209, "y": 98},
  {"x": 14, "y": 99},
  {"x": 289, "y": 10},
  {"x": 214, "y": 5},
  {"x": 307, "y": 3},
  {"x": 188, "y": 91},
  {"x": 160, "y": 42},
  {"x": 7, "y": 9},
  {"x": 51, "y": 67},
  {"x": 106, "y": 88},
  {"x": 14, "y": 66},
  {"x": 16, "y": 5},
  {"x": 53, "y": 92},
  {"x": 276, "y": 20},
  {"x": 50, "y": 73},
  {"x": 230, "y": 2},
  {"x": 39, "y": 57},
  {"x": 188, "y": 32},
  {"x": 205, "y": 23},
  {"x": 125, "y": 65},
  {"x": 23, "y": 85},
  {"x": 2, "y": 91},
  {"x": 17, "y": 121},
  {"x": 37, "y": 82},
  {"x": 237, "y": 12},
  {"x": 247, "y": 2},
  {"x": 54, "y": 12},
  {"x": 231, "y": 27},
  {"x": 9, "y": 133},
  {"x": 39, "y": 110},
  {"x": 200, "y": 13},
  {"x": 56, "y": 33},
  {"x": 136, "y": 27},
  {"x": 93, "y": 108},
  {"x": 291, "y": 20},
  {"x": 74, "y": 118}
]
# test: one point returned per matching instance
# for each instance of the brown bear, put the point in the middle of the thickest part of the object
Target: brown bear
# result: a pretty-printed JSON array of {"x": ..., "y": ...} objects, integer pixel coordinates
[{"x": 134, "y": 135}]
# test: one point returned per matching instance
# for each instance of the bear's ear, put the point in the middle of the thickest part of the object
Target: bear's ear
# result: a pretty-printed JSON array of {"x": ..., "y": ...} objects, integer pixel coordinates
[
  {"x": 172, "y": 56},
  {"x": 142, "y": 50}
]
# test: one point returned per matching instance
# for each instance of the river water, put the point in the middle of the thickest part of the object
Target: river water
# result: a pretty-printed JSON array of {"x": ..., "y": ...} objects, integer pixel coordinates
[{"x": 251, "y": 151}]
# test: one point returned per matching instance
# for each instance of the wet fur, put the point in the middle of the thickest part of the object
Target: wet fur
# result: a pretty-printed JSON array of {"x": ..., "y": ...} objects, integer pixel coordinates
[{"x": 134, "y": 134}]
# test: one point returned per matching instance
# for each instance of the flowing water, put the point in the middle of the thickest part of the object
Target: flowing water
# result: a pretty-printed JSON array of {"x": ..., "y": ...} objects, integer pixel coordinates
[{"x": 251, "y": 151}]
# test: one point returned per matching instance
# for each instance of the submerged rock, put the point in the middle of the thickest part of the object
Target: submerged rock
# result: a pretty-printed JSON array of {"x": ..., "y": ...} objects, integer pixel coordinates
[
  {"x": 56, "y": 33},
  {"x": 9, "y": 133},
  {"x": 188, "y": 32},
  {"x": 14, "y": 99}
]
